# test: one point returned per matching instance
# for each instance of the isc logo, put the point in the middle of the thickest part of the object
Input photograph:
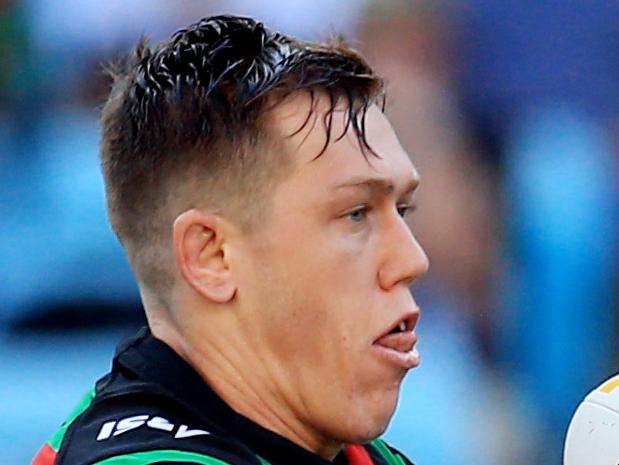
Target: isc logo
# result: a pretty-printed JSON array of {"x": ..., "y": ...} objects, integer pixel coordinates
[{"x": 118, "y": 427}]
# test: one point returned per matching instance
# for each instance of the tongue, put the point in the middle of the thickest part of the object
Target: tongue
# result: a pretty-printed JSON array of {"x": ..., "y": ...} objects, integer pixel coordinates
[{"x": 402, "y": 342}]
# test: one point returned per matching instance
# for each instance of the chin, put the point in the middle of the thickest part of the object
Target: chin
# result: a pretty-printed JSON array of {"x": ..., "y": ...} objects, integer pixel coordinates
[
  {"x": 360, "y": 434},
  {"x": 369, "y": 423},
  {"x": 361, "y": 416}
]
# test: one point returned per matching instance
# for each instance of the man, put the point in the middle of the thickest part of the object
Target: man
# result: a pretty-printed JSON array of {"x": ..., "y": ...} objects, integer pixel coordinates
[{"x": 259, "y": 192}]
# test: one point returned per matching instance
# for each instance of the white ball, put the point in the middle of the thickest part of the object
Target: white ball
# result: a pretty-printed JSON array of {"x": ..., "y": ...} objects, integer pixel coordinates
[{"x": 593, "y": 434}]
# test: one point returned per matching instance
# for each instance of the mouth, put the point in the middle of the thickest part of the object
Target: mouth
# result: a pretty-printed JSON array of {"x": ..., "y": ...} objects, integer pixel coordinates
[{"x": 397, "y": 344}]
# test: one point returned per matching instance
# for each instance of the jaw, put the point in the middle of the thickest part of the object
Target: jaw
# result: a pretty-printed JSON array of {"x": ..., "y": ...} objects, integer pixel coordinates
[{"x": 357, "y": 413}]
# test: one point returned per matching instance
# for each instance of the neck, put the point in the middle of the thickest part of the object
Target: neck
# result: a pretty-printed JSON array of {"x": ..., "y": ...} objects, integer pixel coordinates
[{"x": 243, "y": 381}]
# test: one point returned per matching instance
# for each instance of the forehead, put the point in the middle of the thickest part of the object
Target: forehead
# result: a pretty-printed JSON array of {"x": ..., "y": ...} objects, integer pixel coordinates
[{"x": 300, "y": 123}]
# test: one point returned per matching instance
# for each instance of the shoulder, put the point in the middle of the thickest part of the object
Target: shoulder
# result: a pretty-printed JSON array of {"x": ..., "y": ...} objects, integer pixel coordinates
[
  {"x": 111, "y": 427},
  {"x": 387, "y": 454}
]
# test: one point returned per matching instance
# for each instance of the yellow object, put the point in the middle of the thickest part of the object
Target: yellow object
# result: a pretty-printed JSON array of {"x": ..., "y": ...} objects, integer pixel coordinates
[{"x": 610, "y": 386}]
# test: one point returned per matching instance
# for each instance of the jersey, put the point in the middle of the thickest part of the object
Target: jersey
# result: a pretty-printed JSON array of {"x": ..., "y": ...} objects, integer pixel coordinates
[{"x": 153, "y": 408}]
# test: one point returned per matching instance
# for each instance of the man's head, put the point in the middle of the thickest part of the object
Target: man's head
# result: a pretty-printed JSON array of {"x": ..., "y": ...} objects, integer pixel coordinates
[
  {"x": 186, "y": 126},
  {"x": 277, "y": 221}
]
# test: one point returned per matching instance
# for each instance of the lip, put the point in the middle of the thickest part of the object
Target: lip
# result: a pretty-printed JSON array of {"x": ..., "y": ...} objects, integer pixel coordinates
[
  {"x": 405, "y": 360},
  {"x": 399, "y": 348}
]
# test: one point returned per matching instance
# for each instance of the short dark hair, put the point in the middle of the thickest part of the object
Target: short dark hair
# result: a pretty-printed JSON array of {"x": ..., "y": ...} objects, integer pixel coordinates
[{"x": 185, "y": 114}]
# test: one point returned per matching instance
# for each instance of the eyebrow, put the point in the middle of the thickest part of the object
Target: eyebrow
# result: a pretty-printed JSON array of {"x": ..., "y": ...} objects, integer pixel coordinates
[{"x": 380, "y": 185}]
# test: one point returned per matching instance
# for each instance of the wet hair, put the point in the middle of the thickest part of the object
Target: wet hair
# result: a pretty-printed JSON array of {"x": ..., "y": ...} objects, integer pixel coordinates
[{"x": 184, "y": 125}]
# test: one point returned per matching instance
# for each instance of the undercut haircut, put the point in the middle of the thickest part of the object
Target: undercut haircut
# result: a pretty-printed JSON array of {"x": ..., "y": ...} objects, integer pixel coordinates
[{"x": 184, "y": 127}]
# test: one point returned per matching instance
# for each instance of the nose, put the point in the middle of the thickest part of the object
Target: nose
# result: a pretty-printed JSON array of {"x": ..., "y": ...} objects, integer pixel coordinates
[{"x": 404, "y": 259}]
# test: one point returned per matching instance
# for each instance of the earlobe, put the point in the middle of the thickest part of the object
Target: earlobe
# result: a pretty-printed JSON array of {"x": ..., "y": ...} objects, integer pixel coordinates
[{"x": 199, "y": 252}]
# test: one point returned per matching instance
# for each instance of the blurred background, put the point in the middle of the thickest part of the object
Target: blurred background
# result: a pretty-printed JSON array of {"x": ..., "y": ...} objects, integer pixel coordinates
[{"x": 510, "y": 110}]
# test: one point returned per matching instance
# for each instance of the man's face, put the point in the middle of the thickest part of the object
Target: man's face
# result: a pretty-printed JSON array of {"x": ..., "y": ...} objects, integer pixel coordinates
[{"x": 328, "y": 274}]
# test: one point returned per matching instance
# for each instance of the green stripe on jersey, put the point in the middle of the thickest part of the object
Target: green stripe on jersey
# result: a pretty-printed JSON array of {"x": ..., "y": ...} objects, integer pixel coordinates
[
  {"x": 387, "y": 454},
  {"x": 57, "y": 438},
  {"x": 163, "y": 455}
]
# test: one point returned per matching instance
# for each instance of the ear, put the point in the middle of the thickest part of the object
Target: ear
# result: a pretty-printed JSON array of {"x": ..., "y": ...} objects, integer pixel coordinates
[{"x": 198, "y": 242}]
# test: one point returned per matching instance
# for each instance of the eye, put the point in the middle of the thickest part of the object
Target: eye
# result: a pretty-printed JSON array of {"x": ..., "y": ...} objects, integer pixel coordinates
[
  {"x": 405, "y": 209},
  {"x": 358, "y": 215}
]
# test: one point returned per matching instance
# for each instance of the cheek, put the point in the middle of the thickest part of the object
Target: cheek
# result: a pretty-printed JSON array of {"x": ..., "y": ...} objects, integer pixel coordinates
[
  {"x": 321, "y": 304},
  {"x": 310, "y": 311},
  {"x": 300, "y": 319},
  {"x": 315, "y": 287},
  {"x": 341, "y": 262}
]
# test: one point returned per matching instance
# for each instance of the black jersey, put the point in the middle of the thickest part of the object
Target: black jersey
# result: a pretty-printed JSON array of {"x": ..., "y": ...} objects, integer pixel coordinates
[{"x": 153, "y": 408}]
